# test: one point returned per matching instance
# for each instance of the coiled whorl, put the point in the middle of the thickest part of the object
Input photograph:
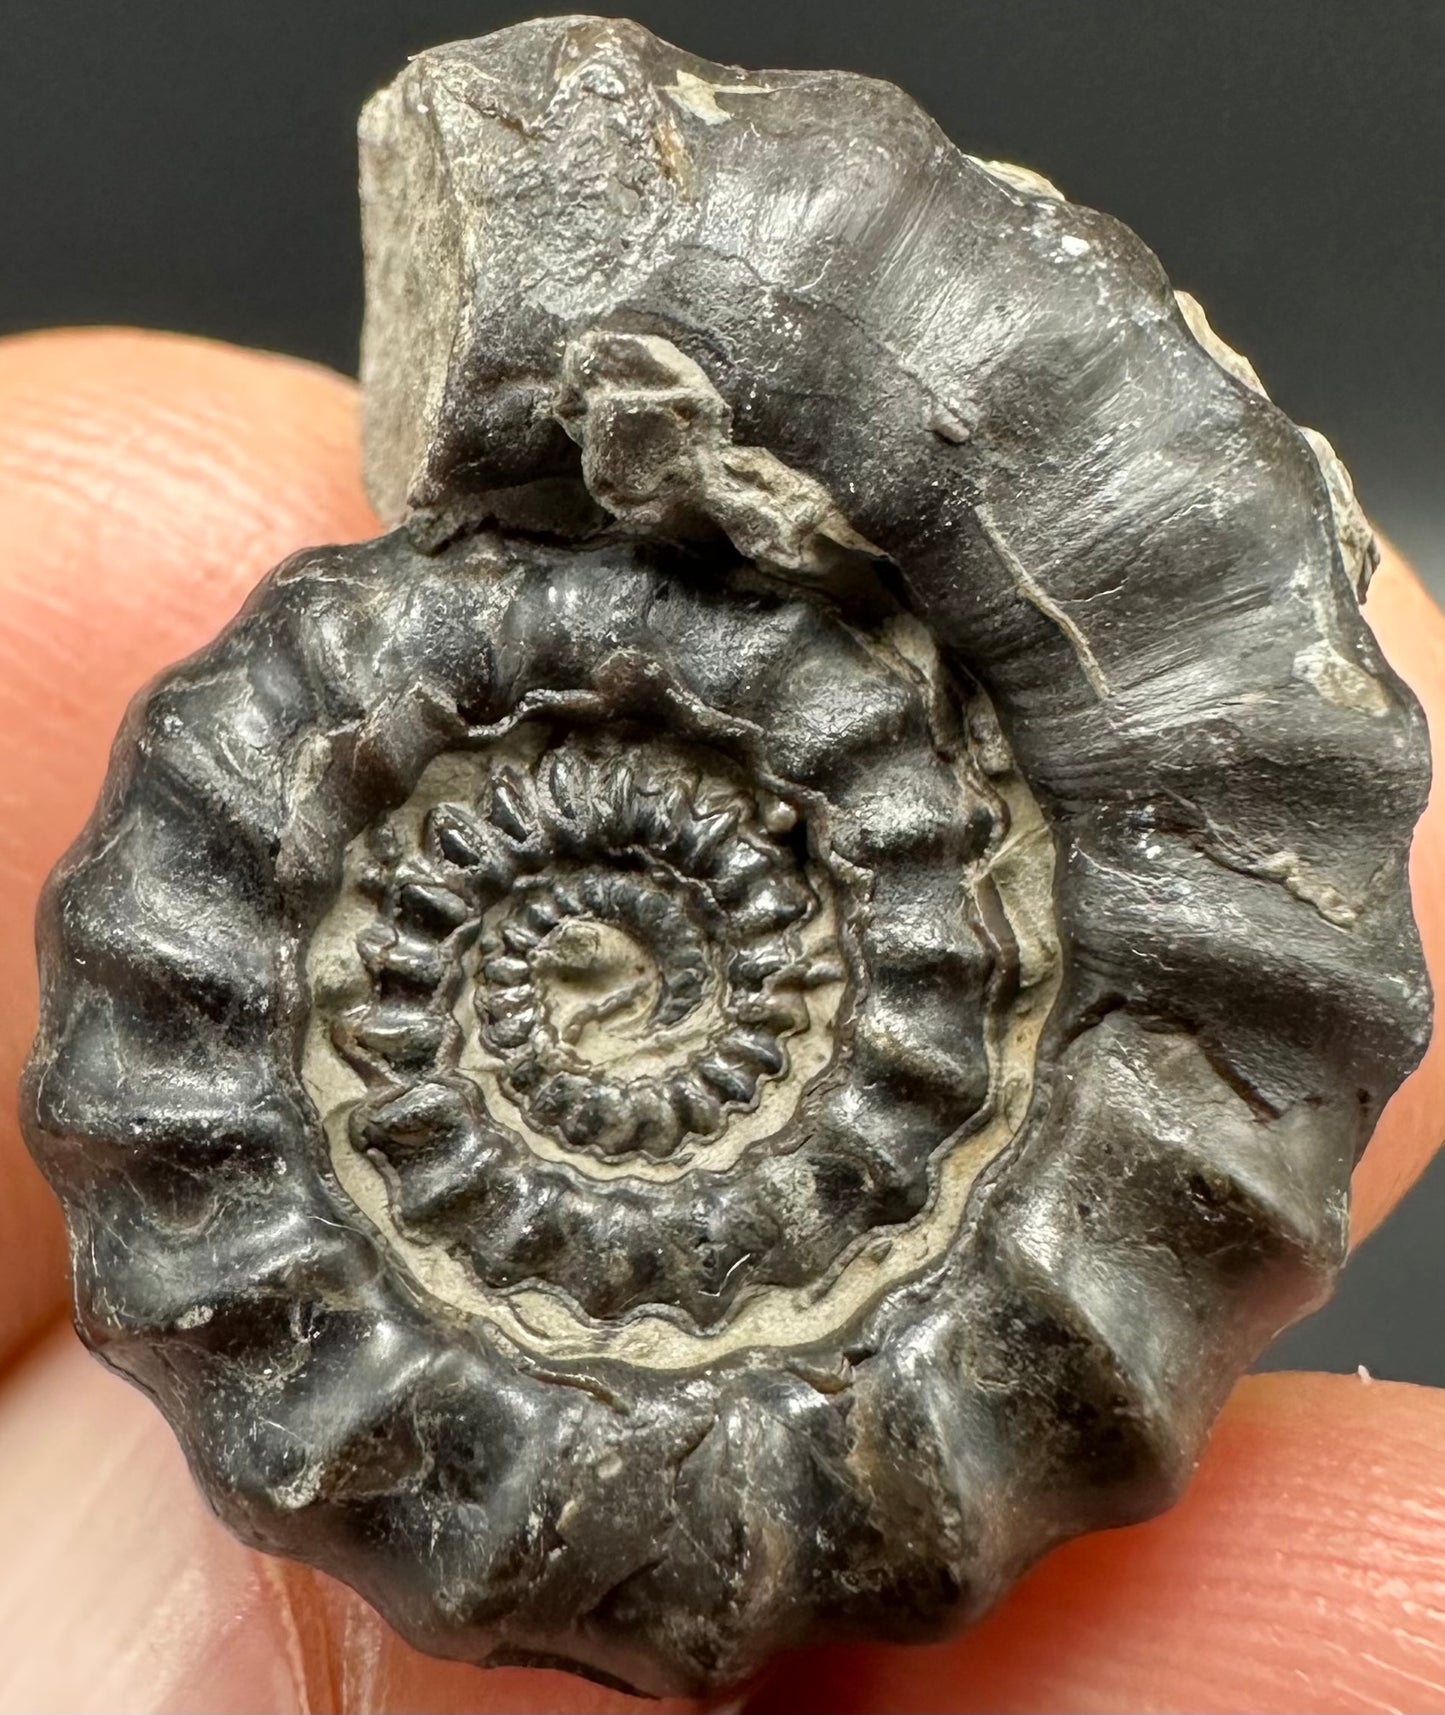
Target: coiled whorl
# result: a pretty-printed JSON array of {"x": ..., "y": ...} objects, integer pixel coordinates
[{"x": 742, "y": 1024}]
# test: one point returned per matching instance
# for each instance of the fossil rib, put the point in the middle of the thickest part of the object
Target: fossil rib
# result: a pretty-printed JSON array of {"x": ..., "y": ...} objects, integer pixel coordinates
[{"x": 745, "y": 1022}]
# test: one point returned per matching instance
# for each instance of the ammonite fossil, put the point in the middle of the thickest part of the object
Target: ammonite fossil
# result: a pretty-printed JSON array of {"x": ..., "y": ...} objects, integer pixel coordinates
[{"x": 743, "y": 1023}]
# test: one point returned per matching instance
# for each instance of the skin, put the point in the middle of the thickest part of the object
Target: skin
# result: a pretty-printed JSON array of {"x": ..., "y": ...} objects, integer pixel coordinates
[{"x": 146, "y": 483}]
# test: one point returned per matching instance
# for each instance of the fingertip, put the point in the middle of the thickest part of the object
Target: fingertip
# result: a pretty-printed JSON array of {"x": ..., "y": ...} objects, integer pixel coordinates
[
  {"x": 127, "y": 452},
  {"x": 1304, "y": 1569},
  {"x": 129, "y": 1595},
  {"x": 380, "y": 1672},
  {"x": 120, "y": 1592},
  {"x": 147, "y": 482},
  {"x": 1410, "y": 630}
]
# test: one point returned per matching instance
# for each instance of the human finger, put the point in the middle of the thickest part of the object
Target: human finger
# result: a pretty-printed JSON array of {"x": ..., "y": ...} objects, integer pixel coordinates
[
  {"x": 1305, "y": 1569},
  {"x": 1411, "y": 632},
  {"x": 122, "y": 1593},
  {"x": 146, "y": 483}
]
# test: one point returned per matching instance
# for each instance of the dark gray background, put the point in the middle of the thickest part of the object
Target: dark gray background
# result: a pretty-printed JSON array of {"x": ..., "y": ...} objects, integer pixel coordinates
[{"x": 191, "y": 166}]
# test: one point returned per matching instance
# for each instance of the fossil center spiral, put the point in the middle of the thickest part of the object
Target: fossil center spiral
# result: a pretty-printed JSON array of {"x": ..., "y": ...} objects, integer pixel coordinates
[
  {"x": 664, "y": 1030},
  {"x": 637, "y": 978}
]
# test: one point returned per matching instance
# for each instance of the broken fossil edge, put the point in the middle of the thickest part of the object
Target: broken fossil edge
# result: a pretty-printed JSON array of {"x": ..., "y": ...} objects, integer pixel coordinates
[{"x": 623, "y": 298}]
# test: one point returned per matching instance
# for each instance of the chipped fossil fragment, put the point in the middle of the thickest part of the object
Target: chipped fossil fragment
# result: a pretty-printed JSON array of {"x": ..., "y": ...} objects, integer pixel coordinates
[
  {"x": 658, "y": 455},
  {"x": 743, "y": 1023}
]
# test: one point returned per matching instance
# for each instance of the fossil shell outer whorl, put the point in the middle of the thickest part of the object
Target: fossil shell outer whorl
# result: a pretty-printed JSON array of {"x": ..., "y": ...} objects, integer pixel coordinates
[
  {"x": 395, "y": 1305},
  {"x": 1087, "y": 498},
  {"x": 746, "y": 1023}
]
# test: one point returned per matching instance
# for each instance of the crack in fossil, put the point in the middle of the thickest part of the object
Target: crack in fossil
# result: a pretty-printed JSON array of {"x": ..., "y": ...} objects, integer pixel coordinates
[{"x": 1038, "y": 597}]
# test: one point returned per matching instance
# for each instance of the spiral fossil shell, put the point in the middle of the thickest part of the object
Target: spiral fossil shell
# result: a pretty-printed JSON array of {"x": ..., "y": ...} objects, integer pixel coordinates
[{"x": 743, "y": 1023}]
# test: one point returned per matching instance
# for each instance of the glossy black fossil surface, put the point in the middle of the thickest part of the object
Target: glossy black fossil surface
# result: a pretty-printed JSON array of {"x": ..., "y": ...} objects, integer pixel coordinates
[{"x": 743, "y": 1023}]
